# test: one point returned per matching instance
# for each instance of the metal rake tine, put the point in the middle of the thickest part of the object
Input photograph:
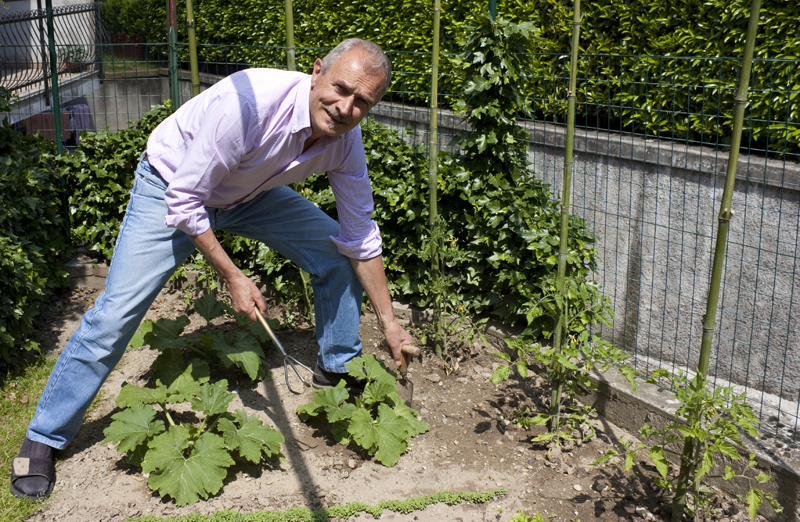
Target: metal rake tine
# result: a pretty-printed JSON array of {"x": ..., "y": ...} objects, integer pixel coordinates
[
  {"x": 287, "y": 359},
  {"x": 292, "y": 362}
]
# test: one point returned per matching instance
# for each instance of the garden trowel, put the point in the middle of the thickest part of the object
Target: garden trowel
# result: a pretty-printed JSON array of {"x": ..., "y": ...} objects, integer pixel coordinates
[{"x": 405, "y": 388}]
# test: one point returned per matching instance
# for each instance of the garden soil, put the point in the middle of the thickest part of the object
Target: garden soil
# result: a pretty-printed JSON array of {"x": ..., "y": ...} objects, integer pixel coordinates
[{"x": 470, "y": 447}]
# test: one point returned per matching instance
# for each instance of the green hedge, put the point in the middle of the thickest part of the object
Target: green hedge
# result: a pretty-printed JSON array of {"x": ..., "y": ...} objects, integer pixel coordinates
[
  {"x": 622, "y": 89},
  {"x": 100, "y": 174},
  {"x": 33, "y": 234}
]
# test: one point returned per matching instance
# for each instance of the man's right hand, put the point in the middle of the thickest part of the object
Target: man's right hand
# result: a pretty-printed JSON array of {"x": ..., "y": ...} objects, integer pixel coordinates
[{"x": 245, "y": 296}]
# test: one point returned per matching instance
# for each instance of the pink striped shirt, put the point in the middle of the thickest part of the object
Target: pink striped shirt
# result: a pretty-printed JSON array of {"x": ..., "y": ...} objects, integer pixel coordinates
[{"x": 245, "y": 135}]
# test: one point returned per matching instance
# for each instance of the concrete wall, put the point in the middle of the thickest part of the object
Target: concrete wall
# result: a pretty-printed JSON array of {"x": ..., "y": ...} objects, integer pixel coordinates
[{"x": 653, "y": 205}]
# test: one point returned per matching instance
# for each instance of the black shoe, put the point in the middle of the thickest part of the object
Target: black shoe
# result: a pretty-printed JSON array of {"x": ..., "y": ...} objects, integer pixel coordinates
[
  {"x": 33, "y": 474},
  {"x": 325, "y": 379}
]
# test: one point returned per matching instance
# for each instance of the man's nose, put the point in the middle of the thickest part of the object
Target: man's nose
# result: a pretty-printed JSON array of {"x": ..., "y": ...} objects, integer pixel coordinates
[{"x": 346, "y": 105}]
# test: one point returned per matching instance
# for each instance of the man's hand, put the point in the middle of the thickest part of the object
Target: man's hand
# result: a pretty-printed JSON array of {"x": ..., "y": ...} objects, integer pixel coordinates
[
  {"x": 245, "y": 296},
  {"x": 397, "y": 337},
  {"x": 373, "y": 278}
]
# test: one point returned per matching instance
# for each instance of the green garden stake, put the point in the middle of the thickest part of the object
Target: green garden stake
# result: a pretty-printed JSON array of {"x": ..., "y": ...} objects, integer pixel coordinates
[
  {"x": 725, "y": 215},
  {"x": 433, "y": 167},
  {"x": 569, "y": 160}
]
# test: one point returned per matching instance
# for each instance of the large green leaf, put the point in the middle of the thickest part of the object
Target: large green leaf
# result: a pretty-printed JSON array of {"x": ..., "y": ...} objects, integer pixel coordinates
[
  {"x": 369, "y": 368},
  {"x": 185, "y": 478},
  {"x": 415, "y": 427},
  {"x": 137, "y": 341},
  {"x": 182, "y": 381},
  {"x": 132, "y": 426},
  {"x": 166, "y": 333},
  {"x": 250, "y": 436},
  {"x": 384, "y": 436},
  {"x": 209, "y": 307},
  {"x": 131, "y": 395},
  {"x": 330, "y": 401},
  {"x": 213, "y": 399},
  {"x": 242, "y": 350}
]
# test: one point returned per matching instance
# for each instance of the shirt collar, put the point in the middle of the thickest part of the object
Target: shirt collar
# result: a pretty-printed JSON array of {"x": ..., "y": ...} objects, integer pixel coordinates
[{"x": 301, "y": 118}]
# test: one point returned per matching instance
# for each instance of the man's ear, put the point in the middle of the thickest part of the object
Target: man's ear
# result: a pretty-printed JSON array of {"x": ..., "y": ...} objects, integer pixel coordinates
[{"x": 316, "y": 72}]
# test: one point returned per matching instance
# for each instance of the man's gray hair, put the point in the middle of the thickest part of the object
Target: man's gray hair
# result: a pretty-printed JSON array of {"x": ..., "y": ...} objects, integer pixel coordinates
[{"x": 377, "y": 61}]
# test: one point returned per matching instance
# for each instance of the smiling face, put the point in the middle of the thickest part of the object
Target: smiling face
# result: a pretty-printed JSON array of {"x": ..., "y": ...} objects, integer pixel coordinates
[{"x": 342, "y": 96}]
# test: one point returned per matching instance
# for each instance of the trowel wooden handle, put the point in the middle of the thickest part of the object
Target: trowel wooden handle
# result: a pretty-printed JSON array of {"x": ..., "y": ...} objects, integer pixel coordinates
[{"x": 407, "y": 351}]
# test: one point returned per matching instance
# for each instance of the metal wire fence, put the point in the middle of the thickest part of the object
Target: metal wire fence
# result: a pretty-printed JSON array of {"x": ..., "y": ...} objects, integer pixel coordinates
[{"x": 651, "y": 157}]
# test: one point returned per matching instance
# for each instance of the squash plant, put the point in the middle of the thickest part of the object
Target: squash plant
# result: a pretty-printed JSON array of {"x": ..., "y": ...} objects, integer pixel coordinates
[
  {"x": 187, "y": 460},
  {"x": 378, "y": 420}
]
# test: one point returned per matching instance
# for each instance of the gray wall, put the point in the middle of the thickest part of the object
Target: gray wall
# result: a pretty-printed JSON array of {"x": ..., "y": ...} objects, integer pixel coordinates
[{"x": 653, "y": 205}]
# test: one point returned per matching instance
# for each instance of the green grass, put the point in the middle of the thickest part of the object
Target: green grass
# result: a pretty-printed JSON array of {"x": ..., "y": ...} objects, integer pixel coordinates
[
  {"x": 116, "y": 64},
  {"x": 15, "y": 415},
  {"x": 300, "y": 514}
]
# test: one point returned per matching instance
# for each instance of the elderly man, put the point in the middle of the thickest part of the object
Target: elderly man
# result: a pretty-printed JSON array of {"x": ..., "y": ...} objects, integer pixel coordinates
[{"x": 221, "y": 162}]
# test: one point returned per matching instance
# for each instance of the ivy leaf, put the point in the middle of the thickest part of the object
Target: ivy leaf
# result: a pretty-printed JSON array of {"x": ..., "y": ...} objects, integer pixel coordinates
[
  {"x": 728, "y": 474},
  {"x": 213, "y": 399},
  {"x": 250, "y": 436},
  {"x": 132, "y": 426},
  {"x": 131, "y": 395},
  {"x": 381, "y": 435},
  {"x": 209, "y": 307},
  {"x": 242, "y": 349},
  {"x": 166, "y": 333},
  {"x": 186, "y": 479}
]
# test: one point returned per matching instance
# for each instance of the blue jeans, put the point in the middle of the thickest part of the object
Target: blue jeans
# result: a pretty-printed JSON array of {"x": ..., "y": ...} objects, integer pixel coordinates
[{"x": 147, "y": 253}]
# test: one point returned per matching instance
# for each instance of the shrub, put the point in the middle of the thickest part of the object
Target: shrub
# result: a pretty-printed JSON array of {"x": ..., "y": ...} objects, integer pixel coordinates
[{"x": 33, "y": 236}]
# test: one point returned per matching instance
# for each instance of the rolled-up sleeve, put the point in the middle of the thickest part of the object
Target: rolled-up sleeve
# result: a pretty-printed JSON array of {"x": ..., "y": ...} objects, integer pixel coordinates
[
  {"x": 213, "y": 153},
  {"x": 359, "y": 236}
]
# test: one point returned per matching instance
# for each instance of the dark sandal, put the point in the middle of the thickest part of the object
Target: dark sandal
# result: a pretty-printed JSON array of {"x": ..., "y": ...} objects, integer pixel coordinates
[{"x": 23, "y": 467}]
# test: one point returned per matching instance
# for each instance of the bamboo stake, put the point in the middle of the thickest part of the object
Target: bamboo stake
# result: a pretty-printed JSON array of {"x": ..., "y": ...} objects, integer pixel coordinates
[
  {"x": 725, "y": 215},
  {"x": 433, "y": 167},
  {"x": 561, "y": 326},
  {"x": 192, "y": 48},
  {"x": 290, "y": 62}
]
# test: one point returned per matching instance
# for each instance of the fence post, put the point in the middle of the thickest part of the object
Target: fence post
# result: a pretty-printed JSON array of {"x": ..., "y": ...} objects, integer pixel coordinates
[
  {"x": 433, "y": 168},
  {"x": 51, "y": 43},
  {"x": 192, "y": 48},
  {"x": 290, "y": 58},
  {"x": 717, "y": 266},
  {"x": 44, "y": 55},
  {"x": 172, "y": 38},
  {"x": 493, "y": 9}
]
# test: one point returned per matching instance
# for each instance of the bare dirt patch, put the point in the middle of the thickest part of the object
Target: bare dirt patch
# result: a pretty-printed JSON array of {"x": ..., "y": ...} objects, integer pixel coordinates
[{"x": 471, "y": 446}]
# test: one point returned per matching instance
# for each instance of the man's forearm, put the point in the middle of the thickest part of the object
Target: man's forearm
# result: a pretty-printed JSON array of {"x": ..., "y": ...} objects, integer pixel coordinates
[
  {"x": 212, "y": 251},
  {"x": 373, "y": 278},
  {"x": 243, "y": 292}
]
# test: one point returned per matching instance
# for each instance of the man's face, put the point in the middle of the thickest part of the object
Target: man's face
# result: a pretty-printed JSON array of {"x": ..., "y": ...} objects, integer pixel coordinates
[{"x": 343, "y": 96}]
